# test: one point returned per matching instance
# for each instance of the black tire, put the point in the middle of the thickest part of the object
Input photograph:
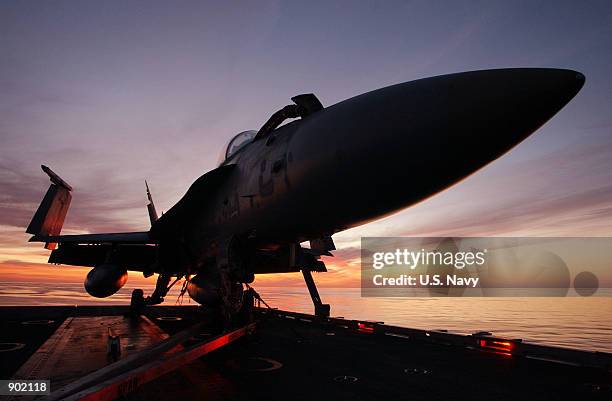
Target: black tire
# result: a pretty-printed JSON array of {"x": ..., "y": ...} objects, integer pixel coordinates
[{"x": 137, "y": 302}]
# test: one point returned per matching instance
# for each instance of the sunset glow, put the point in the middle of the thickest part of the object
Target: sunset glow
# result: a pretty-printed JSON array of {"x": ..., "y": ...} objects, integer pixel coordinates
[{"x": 78, "y": 97}]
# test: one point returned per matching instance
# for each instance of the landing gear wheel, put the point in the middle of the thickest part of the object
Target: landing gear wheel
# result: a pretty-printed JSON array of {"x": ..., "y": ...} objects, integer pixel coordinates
[
  {"x": 245, "y": 314},
  {"x": 137, "y": 302},
  {"x": 231, "y": 302}
]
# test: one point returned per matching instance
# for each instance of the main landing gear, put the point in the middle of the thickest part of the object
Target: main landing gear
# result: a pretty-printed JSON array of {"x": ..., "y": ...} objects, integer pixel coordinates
[
  {"x": 309, "y": 262},
  {"x": 321, "y": 309}
]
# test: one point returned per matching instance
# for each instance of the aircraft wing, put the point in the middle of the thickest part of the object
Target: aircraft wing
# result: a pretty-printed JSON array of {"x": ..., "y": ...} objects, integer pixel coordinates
[
  {"x": 133, "y": 250},
  {"x": 46, "y": 225},
  {"x": 108, "y": 238},
  {"x": 134, "y": 257}
]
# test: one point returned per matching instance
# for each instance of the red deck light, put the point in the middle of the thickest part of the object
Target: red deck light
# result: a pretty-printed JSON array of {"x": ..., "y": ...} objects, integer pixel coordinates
[
  {"x": 365, "y": 327},
  {"x": 496, "y": 345}
]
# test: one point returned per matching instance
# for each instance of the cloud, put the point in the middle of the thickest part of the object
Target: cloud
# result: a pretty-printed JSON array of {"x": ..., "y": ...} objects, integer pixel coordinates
[
  {"x": 565, "y": 192},
  {"x": 343, "y": 270},
  {"x": 97, "y": 204},
  {"x": 20, "y": 193},
  {"x": 573, "y": 214},
  {"x": 20, "y": 271}
]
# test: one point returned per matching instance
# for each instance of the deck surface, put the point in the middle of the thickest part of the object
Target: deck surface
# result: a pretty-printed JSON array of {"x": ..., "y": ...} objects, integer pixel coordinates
[{"x": 288, "y": 359}]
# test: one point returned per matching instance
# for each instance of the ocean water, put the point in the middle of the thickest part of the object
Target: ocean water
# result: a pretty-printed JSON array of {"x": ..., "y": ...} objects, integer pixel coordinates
[{"x": 575, "y": 322}]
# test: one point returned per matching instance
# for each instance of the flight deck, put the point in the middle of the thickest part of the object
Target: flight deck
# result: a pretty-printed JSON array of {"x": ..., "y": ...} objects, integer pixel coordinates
[{"x": 280, "y": 356}]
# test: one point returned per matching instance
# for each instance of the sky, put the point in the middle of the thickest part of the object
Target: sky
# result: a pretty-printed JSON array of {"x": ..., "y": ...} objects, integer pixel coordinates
[{"x": 111, "y": 93}]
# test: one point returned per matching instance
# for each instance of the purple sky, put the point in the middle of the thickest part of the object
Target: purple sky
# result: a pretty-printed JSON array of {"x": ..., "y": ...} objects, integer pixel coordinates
[{"x": 110, "y": 93}]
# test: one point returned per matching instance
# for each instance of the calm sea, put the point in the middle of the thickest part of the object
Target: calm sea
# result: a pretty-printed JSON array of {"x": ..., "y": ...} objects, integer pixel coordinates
[{"x": 574, "y": 322}]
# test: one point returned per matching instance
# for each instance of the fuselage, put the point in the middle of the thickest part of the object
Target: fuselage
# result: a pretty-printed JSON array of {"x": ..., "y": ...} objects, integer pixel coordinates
[{"x": 377, "y": 153}]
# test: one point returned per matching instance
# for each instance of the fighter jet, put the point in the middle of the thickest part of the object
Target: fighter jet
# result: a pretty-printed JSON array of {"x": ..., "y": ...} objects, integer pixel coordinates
[{"x": 330, "y": 169}]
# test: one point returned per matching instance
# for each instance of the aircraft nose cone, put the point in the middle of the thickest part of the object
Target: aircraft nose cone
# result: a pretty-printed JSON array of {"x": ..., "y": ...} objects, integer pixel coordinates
[
  {"x": 408, "y": 141},
  {"x": 554, "y": 86},
  {"x": 485, "y": 113},
  {"x": 490, "y": 112},
  {"x": 524, "y": 96},
  {"x": 579, "y": 78},
  {"x": 458, "y": 121}
]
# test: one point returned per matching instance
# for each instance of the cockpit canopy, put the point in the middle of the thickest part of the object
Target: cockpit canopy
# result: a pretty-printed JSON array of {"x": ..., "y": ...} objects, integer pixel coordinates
[
  {"x": 237, "y": 143},
  {"x": 304, "y": 105}
]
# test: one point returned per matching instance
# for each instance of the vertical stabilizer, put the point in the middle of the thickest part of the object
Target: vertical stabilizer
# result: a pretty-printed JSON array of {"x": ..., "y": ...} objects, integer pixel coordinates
[
  {"x": 49, "y": 218},
  {"x": 151, "y": 206}
]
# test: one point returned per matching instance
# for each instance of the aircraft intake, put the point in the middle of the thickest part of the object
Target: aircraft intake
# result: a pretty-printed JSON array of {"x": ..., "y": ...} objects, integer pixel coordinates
[{"x": 105, "y": 280}]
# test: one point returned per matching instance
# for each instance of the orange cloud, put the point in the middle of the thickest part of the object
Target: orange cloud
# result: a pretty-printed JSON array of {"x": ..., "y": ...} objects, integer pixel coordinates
[
  {"x": 15, "y": 270},
  {"x": 341, "y": 273}
]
